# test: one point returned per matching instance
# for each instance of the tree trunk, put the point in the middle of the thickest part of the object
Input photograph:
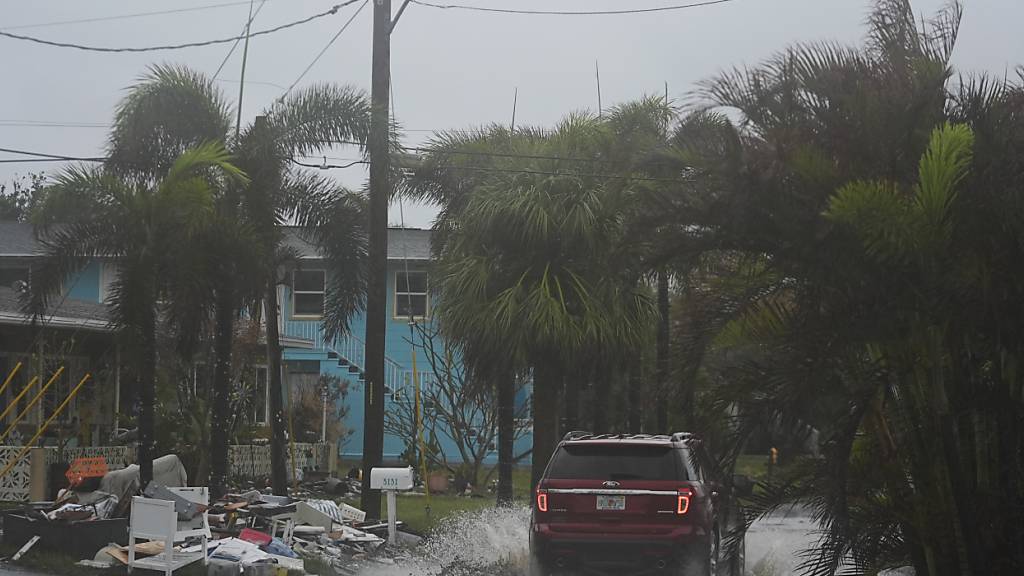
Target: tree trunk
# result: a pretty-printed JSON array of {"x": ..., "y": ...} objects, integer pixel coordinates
[
  {"x": 278, "y": 466},
  {"x": 635, "y": 398},
  {"x": 146, "y": 369},
  {"x": 546, "y": 381},
  {"x": 663, "y": 351},
  {"x": 219, "y": 433},
  {"x": 602, "y": 386},
  {"x": 572, "y": 404},
  {"x": 506, "y": 435}
]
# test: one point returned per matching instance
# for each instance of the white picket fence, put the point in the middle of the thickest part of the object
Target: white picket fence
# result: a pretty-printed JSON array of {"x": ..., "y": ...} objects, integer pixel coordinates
[{"x": 252, "y": 462}]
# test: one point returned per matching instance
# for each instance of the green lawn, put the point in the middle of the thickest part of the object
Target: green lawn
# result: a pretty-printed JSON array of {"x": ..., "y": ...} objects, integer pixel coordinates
[
  {"x": 413, "y": 509},
  {"x": 753, "y": 465}
]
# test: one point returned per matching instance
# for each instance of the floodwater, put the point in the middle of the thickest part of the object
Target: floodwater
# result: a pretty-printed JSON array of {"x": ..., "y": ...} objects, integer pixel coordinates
[{"x": 492, "y": 542}]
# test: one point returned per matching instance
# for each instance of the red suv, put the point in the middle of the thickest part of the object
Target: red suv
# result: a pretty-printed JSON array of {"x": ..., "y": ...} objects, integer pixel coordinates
[{"x": 634, "y": 504}]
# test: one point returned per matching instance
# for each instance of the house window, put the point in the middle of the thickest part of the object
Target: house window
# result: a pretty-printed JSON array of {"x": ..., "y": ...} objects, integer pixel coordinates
[
  {"x": 411, "y": 294},
  {"x": 13, "y": 277},
  {"x": 259, "y": 401},
  {"x": 308, "y": 292}
]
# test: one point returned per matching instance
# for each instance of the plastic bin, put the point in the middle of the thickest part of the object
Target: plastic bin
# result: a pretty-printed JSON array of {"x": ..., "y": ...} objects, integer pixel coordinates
[{"x": 79, "y": 539}]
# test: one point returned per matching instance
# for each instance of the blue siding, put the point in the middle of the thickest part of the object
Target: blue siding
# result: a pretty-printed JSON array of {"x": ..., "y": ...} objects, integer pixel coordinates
[{"x": 399, "y": 350}]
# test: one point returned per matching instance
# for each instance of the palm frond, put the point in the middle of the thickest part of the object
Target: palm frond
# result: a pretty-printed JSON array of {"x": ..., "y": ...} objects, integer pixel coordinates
[
  {"x": 318, "y": 117},
  {"x": 170, "y": 109}
]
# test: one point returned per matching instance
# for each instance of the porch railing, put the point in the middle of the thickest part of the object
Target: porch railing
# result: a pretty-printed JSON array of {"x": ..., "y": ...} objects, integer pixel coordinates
[{"x": 349, "y": 350}]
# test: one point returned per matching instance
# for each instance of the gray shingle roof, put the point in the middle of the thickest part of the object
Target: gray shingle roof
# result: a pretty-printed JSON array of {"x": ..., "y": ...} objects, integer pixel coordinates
[
  {"x": 69, "y": 309},
  {"x": 17, "y": 239},
  {"x": 408, "y": 243}
]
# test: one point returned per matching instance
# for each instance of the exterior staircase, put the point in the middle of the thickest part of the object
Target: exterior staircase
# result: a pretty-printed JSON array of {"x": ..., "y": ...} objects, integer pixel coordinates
[{"x": 349, "y": 351}]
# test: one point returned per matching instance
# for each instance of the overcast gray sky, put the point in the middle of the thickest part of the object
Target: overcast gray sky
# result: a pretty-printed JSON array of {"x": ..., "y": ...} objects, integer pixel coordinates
[{"x": 450, "y": 68}]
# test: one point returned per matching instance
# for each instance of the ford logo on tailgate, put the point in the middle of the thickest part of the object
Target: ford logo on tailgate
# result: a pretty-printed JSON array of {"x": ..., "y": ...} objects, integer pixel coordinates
[{"x": 611, "y": 484}]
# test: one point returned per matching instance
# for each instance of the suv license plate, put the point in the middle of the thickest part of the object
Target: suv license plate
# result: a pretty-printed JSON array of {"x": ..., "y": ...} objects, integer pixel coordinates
[{"x": 611, "y": 502}]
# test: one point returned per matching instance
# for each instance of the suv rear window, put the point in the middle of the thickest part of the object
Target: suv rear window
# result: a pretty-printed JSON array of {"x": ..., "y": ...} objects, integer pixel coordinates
[{"x": 616, "y": 462}]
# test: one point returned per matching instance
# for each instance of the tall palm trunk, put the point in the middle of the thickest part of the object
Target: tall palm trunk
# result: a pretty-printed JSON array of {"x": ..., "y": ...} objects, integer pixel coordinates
[
  {"x": 572, "y": 404},
  {"x": 634, "y": 397},
  {"x": 602, "y": 387},
  {"x": 278, "y": 466},
  {"x": 146, "y": 371},
  {"x": 546, "y": 381},
  {"x": 219, "y": 433},
  {"x": 506, "y": 434},
  {"x": 662, "y": 350}
]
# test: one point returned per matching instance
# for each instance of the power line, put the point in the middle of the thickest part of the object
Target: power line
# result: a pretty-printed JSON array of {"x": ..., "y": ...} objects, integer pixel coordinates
[
  {"x": 577, "y": 174},
  {"x": 41, "y": 156},
  {"x": 44, "y": 124},
  {"x": 257, "y": 82},
  {"x": 326, "y": 166},
  {"x": 123, "y": 16},
  {"x": 235, "y": 45},
  {"x": 445, "y": 152},
  {"x": 29, "y": 160},
  {"x": 569, "y": 13},
  {"x": 320, "y": 55},
  {"x": 50, "y": 156},
  {"x": 334, "y": 10}
]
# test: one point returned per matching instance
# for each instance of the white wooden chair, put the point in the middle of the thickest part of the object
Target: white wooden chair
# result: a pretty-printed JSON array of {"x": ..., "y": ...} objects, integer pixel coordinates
[{"x": 157, "y": 520}]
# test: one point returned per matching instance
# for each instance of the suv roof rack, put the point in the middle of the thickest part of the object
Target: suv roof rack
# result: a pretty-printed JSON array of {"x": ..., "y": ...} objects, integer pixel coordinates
[
  {"x": 580, "y": 435},
  {"x": 683, "y": 436}
]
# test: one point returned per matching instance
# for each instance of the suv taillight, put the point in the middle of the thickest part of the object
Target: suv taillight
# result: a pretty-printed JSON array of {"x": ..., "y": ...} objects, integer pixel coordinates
[
  {"x": 684, "y": 501},
  {"x": 542, "y": 500}
]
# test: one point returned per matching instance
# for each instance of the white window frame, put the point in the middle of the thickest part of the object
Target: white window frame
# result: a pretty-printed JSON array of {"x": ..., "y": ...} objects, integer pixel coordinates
[
  {"x": 322, "y": 292},
  {"x": 399, "y": 293},
  {"x": 108, "y": 273}
]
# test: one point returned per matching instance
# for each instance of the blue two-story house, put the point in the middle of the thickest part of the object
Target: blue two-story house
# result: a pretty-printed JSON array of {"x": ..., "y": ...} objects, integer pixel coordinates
[
  {"x": 408, "y": 297},
  {"x": 84, "y": 340}
]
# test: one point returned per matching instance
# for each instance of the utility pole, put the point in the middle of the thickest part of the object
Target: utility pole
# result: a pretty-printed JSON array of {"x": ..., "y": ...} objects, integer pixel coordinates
[{"x": 380, "y": 191}]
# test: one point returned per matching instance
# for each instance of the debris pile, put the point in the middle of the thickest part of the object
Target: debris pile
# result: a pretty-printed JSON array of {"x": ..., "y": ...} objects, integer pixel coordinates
[{"x": 244, "y": 532}]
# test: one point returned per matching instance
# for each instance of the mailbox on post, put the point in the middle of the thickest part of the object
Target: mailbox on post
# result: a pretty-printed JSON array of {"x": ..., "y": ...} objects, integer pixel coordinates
[{"x": 390, "y": 481}]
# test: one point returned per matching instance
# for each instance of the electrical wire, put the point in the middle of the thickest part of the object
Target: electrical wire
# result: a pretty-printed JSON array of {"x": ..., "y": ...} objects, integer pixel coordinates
[
  {"x": 50, "y": 124},
  {"x": 445, "y": 152},
  {"x": 326, "y": 166},
  {"x": 333, "y": 10},
  {"x": 320, "y": 55},
  {"x": 248, "y": 24},
  {"x": 31, "y": 160},
  {"x": 50, "y": 156},
  {"x": 569, "y": 13},
  {"x": 576, "y": 174},
  {"x": 123, "y": 16}
]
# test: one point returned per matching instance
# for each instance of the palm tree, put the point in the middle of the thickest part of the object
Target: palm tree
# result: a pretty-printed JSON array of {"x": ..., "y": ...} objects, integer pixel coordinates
[
  {"x": 447, "y": 175},
  {"x": 172, "y": 108},
  {"x": 526, "y": 268},
  {"x": 857, "y": 278},
  {"x": 151, "y": 227}
]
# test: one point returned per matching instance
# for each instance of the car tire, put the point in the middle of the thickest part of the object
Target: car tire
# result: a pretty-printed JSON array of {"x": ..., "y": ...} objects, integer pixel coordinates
[
  {"x": 537, "y": 567},
  {"x": 702, "y": 560}
]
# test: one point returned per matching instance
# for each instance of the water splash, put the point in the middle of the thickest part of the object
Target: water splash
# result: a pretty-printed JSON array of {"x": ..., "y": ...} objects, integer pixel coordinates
[
  {"x": 492, "y": 541},
  {"x": 482, "y": 538}
]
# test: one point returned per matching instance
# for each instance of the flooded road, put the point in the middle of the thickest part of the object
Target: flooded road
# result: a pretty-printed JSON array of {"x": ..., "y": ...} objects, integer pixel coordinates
[{"x": 495, "y": 542}]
